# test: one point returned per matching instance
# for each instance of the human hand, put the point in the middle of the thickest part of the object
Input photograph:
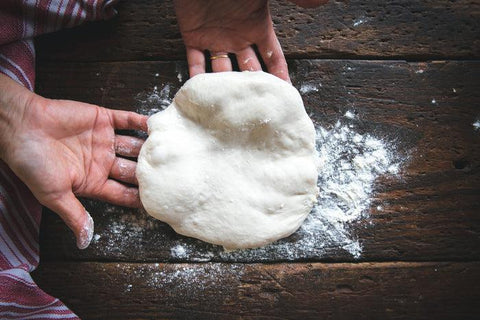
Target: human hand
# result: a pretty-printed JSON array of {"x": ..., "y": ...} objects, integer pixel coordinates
[
  {"x": 62, "y": 149},
  {"x": 232, "y": 26}
]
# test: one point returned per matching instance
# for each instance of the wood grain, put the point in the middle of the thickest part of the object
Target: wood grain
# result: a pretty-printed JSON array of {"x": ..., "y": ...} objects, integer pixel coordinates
[
  {"x": 424, "y": 111},
  {"x": 256, "y": 291},
  {"x": 418, "y": 30}
]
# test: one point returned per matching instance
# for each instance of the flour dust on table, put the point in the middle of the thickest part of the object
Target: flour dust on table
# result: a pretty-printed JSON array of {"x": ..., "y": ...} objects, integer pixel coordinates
[
  {"x": 351, "y": 163},
  {"x": 155, "y": 100}
]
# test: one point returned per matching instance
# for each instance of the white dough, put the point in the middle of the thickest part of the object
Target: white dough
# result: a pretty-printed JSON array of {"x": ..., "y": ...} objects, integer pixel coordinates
[{"x": 231, "y": 161}]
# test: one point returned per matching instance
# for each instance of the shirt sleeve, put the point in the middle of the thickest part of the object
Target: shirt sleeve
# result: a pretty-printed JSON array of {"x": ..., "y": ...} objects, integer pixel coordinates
[{"x": 22, "y": 20}]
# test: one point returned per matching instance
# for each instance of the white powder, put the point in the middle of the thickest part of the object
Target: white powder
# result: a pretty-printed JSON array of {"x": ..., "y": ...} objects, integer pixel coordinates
[
  {"x": 308, "y": 87},
  {"x": 359, "y": 21},
  {"x": 476, "y": 125},
  {"x": 247, "y": 60},
  {"x": 349, "y": 114},
  {"x": 152, "y": 102},
  {"x": 350, "y": 164},
  {"x": 191, "y": 280},
  {"x": 190, "y": 252},
  {"x": 178, "y": 251},
  {"x": 179, "y": 69}
]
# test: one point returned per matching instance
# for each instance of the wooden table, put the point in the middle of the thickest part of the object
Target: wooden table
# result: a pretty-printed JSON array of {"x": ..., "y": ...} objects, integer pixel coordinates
[{"x": 407, "y": 69}]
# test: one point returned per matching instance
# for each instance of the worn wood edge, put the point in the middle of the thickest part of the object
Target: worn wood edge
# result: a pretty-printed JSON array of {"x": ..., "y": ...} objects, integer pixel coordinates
[
  {"x": 354, "y": 29},
  {"x": 406, "y": 290},
  {"x": 432, "y": 210}
]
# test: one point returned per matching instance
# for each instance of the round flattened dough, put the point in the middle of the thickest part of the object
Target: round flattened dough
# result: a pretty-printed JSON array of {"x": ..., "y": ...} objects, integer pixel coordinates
[{"x": 231, "y": 161}]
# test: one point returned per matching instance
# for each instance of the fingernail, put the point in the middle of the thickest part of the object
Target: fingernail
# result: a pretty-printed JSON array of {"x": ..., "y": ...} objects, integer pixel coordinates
[{"x": 86, "y": 234}]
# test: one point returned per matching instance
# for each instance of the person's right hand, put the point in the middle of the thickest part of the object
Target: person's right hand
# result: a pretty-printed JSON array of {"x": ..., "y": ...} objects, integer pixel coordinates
[
  {"x": 232, "y": 26},
  {"x": 63, "y": 149}
]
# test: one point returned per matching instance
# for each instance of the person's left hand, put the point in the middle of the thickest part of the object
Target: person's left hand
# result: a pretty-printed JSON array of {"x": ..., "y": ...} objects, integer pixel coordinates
[
  {"x": 230, "y": 27},
  {"x": 66, "y": 149}
]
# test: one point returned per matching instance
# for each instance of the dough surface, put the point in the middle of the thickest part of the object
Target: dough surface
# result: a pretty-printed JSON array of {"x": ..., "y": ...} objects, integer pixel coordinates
[{"x": 231, "y": 161}]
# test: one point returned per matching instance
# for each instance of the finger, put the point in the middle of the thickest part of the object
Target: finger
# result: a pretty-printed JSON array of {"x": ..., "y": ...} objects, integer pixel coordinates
[
  {"x": 220, "y": 63},
  {"x": 127, "y": 120},
  {"x": 124, "y": 170},
  {"x": 247, "y": 60},
  {"x": 273, "y": 57},
  {"x": 128, "y": 146},
  {"x": 196, "y": 61},
  {"x": 117, "y": 193},
  {"x": 75, "y": 216}
]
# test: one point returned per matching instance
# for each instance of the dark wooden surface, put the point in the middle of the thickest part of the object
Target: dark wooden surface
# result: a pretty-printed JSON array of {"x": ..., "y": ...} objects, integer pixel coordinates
[
  {"x": 420, "y": 250},
  {"x": 407, "y": 29},
  {"x": 390, "y": 290},
  {"x": 431, "y": 213}
]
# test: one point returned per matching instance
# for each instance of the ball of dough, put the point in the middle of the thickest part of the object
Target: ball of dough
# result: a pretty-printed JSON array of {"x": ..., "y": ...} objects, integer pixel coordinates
[{"x": 231, "y": 161}]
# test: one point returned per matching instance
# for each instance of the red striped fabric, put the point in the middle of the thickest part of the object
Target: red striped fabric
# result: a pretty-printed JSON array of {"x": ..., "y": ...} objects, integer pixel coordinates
[{"x": 20, "y": 212}]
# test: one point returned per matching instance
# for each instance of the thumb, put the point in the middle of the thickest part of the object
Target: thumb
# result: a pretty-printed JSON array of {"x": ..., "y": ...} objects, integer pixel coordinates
[{"x": 75, "y": 216}]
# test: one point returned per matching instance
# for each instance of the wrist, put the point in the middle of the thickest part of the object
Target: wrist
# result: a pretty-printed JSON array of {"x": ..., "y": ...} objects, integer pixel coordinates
[{"x": 14, "y": 100}]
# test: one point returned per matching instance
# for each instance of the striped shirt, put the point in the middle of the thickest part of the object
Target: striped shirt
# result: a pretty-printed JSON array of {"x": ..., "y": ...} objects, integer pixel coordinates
[{"x": 20, "y": 212}]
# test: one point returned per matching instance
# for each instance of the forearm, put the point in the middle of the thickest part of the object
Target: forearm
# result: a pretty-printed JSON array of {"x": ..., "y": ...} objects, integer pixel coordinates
[{"x": 14, "y": 99}]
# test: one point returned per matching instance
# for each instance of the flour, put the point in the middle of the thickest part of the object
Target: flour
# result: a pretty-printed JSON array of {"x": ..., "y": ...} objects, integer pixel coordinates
[
  {"x": 308, "y": 87},
  {"x": 352, "y": 162},
  {"x": 178, "y": 251},
  {"x": 349, "y": 114},
  {"x": 154, "y": 101},
  {"x": 359, "y": 21},
  {"x": 476, "y": 125}
]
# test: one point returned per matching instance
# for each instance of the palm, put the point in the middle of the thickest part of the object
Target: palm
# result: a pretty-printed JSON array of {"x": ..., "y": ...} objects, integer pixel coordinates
[
  {"x": 84, "y": 152},
  {"x": 229, "y": 27},
  {"x": 225, "y": 26},
  {"x": 65, "y": 149}
]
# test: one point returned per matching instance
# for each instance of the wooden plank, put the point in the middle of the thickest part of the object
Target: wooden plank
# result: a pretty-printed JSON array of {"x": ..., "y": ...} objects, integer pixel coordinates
[
  {"x": 275, "y": 291},
  {"x": 147, "y": 30},
  {"x": 424, "y": 111}
]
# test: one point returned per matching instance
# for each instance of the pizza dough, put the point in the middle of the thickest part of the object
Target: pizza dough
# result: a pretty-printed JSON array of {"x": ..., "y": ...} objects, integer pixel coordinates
[{"x": 231, "y": 161}]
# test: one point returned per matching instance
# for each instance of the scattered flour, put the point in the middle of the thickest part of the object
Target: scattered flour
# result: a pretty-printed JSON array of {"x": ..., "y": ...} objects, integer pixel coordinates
[
  {"x": 247, "y": 60},
  {"x": 476, "y": 125},
  {"x": 178, "y": 251},
  {"x": 179, "y": 69},
  {"x": 359, "y": 21},
  {"x": 350, "y": 164},
  {"x": 154, "y": 101},
  {"x": 184, "y": 280},
  {"x": 308, "y": 87},
  {"x": 189, "y": 281},
  {"x": 349, "y": 114}
]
